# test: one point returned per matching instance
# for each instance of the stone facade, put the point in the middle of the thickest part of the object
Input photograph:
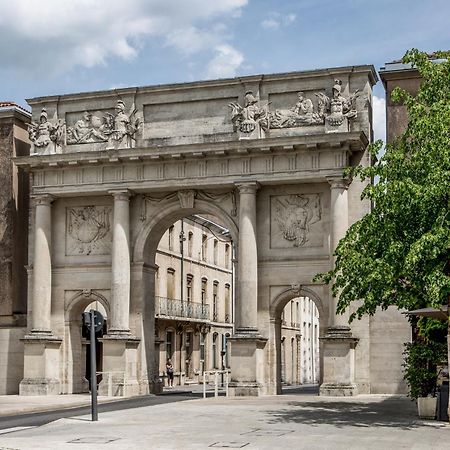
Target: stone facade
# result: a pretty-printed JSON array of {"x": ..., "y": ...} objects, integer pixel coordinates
[
  {"x": 265, "y": 155},
  {"x": 13, "y": 244}
]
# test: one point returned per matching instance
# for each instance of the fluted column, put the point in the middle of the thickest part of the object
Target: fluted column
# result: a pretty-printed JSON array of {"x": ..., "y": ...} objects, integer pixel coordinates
[
  {"x": 42, "y": 266},
  {"x": 339, "y": 226},
  {"x": 247, "y": 298},
  {"x": 120, "y": 265}
]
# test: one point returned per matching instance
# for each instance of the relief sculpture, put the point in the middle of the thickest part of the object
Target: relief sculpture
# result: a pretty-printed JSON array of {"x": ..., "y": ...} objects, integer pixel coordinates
[
  {"x": 294, "y": 214},
  {"x": 118, "y": 129},
  {"x": 299, "y": 115},
  {"x": 88, "y": 230},
  {"x": 46, "y": 136},
  {"x": 252, "y": 120}
]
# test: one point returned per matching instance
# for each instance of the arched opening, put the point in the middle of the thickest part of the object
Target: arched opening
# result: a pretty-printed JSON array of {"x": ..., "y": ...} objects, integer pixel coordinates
[
  {"x": 200, "y": 304},
  {"x": 76, "y": 371},
  {"x": 299, "y": 320}
]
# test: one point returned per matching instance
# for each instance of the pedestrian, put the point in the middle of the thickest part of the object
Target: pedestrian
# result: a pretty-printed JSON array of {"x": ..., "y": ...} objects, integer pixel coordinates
[{"x": 169, "y": 371}]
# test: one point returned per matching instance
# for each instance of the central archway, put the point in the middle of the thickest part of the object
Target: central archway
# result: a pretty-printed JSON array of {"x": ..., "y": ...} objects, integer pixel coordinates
[{"x": 161, "y": 216}]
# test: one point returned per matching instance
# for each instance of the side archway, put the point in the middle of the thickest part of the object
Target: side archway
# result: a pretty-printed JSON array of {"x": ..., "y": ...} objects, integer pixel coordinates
[
  {"x": 276, "y": 308},
  {"x": 74, "y": 380}
]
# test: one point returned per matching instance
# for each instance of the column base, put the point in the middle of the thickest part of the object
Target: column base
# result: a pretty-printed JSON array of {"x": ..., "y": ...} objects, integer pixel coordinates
[
  {"x": 119, "y": 365},
  {"x": 247, "y": 363},
  {"x": 39, "y": 386},
  {"x": 339, "y": 362},
  {"x": 338, "y": 390},
  {"x": 41, "y": 364}
]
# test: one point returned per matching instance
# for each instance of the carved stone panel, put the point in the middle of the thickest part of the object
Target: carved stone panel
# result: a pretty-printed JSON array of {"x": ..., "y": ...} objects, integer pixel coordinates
[
  {"x": 295, "y": 220},
  {"x": 88, "y": 230}
]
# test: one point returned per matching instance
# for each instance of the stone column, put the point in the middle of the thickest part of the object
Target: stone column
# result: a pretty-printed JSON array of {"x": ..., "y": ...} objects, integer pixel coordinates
[
  {"x": 247, "y": 345},
  {"x": 42, "y": 266},
  {"x": 339, "y": 225},
  {"x": 338, "y": 343},
  {"x": 120, "y": 356},
  {"x": 41, "y": 347},
  {"x": 247, "y": 288},
  {"x": 120, "y": 265}
]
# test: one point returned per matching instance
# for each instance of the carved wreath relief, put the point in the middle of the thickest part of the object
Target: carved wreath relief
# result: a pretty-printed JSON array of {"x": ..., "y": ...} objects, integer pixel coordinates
[
  {"x": 88, "y": 230},
  {"x": 292, "y": 216}
]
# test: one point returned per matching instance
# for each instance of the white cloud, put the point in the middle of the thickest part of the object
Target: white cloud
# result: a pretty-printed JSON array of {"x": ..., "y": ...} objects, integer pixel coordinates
[
  {"x": 225, "y": 62},
  {"x": 56, "y": 35},
  {"x": 276, "y": 20},
  {"x": 379, "y": 118}
]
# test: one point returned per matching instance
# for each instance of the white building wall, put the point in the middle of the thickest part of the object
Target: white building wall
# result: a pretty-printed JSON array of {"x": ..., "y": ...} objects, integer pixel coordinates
[{"x": 300, "y": 342}]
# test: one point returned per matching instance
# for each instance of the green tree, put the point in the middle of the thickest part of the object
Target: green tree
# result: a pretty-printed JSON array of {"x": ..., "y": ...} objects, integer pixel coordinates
[{"x": 398, "y": 254}]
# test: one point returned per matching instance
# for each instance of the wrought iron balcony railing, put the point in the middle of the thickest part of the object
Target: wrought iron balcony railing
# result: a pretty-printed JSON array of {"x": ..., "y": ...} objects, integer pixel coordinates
[{"x": 178, "y": 309}]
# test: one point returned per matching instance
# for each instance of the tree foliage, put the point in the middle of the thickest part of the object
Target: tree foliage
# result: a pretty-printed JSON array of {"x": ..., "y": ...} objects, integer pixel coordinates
[{"x": 398, "y": 254}]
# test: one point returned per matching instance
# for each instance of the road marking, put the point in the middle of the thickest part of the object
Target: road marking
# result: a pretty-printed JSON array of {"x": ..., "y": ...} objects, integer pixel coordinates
[{"x": 12, "y": 430}]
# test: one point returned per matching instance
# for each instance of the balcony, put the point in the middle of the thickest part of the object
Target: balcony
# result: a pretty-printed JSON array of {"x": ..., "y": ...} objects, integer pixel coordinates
[{"x": 169, "y": 308}]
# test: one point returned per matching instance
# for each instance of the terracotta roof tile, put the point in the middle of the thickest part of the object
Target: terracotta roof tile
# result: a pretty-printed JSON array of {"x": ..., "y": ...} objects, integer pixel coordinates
[{"x": 8, "y": 105}]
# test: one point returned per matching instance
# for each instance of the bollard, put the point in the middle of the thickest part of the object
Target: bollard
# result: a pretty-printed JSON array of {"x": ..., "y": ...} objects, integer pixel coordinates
[
  {"x": 204, "y": 384},
  {"x": 216, "y": 384},
  {"x": 226, "y": 383}
]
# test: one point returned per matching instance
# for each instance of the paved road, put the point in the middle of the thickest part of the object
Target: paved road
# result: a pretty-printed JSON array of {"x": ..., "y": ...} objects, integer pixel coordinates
[
  {"x": 264, "y": 423},
  {"x": 42, "y": 418}
]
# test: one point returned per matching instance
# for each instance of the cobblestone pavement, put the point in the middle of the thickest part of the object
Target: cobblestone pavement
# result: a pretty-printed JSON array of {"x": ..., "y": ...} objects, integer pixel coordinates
[{"x": 276, "y": 422}]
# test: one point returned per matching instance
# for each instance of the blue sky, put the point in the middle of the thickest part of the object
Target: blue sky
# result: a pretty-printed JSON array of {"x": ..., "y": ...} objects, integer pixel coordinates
[{"x": 61, "y": 46}]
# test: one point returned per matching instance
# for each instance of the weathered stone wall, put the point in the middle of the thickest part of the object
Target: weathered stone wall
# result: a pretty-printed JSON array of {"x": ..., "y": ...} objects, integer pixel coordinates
[{"x": 14, "y": 192}]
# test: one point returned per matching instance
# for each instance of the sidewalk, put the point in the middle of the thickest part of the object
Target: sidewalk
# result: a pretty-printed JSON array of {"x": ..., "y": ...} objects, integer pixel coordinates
[
  {"x": 274, "y": 422},
  {"x": 15, "y": 404}
]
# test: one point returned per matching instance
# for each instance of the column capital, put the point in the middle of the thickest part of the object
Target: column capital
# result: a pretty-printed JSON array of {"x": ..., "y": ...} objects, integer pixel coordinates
[
  {"x": 339, "y": 182},
  {"x": 42, "y": 199},
  {"x": 248, "y": 187},
  {"x": 121, "y": 194}
]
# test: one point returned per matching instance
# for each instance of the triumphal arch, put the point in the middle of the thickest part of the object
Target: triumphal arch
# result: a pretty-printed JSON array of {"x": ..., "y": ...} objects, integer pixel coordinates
[{"x": 266, "y": 154}]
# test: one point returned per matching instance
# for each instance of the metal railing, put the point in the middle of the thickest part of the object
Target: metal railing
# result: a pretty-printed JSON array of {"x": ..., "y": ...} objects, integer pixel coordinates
[
  {"x": 169, "y": 307},
  {"x": 207, "y": 375}
]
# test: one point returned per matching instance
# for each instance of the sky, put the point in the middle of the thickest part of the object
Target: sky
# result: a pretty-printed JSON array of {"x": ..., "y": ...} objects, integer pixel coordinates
[{"x": 52, "y": 47}]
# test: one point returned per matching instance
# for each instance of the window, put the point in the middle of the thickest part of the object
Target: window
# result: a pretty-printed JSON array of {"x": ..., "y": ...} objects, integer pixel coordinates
[
  {"x": 204, "y": 246},
  {"x": 216, "y": 250},
  {"x": 227, "y": 256},
  {"x": 227, "y": 304},
  {"x": 204, "y": 291},
  {"x": 292, "y": 313},
  {"x": 170, "y": 283},
  {"x": 189, "y": 284},
  {"x": 190, "y": 242},
  {"x": 215, "y": 311},
  {"x": 169, "y": 344},
  {"x": 171, "y": 231}
]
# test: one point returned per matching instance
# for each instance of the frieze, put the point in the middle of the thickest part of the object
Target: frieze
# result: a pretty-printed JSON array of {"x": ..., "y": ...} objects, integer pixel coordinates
[
  {"x": 292, "y": 217},
  {"x": 88, "y": 230}
]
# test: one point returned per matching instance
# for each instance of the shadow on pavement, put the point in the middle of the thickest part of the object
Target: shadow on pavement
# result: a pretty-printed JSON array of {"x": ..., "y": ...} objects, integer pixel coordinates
[{"x": 390, "y": 412}]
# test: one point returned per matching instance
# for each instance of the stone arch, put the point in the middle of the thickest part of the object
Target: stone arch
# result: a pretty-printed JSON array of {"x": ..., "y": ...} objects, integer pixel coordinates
[
  {"x": 75, "y": 368},
  {"x": 150, "y": 234},
  {"x": 143, "y": 252},
  {"x": 276, "y": 307}
]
